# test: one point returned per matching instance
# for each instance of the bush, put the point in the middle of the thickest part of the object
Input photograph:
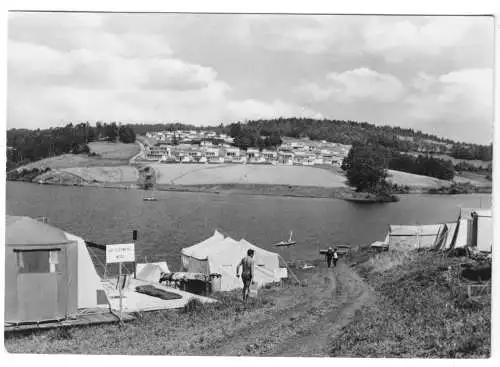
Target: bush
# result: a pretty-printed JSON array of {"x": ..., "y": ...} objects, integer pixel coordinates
[{"x": 193, "y": 305}]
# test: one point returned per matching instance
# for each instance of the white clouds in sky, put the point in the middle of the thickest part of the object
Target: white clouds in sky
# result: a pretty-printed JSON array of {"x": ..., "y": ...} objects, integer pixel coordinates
[{"x": 423, "y": 72}]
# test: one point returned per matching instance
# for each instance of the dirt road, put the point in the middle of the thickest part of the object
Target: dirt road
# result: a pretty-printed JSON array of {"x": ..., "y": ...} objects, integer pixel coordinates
[{"x": 304, "y": 320}]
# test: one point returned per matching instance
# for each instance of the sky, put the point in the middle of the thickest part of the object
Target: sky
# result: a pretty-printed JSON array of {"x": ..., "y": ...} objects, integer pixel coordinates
[{"x": 432, "y": 73}]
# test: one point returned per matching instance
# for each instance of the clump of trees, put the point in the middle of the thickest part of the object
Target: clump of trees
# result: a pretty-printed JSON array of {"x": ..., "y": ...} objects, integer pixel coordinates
[
  {"x": 246, "y": 136},
  {"x": 366, "y": 168}
]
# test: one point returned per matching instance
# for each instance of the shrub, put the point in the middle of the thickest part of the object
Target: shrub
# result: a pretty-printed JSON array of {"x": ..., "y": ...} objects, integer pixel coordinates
[{"x": 193, "y": 305}]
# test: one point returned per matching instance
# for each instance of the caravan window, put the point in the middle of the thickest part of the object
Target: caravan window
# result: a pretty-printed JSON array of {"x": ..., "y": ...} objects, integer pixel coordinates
[{"x": 38, "y": 261}]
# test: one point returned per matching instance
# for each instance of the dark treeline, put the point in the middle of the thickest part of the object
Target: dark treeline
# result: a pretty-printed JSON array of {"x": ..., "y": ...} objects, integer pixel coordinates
[
  {"x": 422, "y": 165},
  {"x": 343, "y": 132},
  {"x": 25, "y": 146},
  {"x": 142, "y": 129},
  {"x": 391, "y": 159},
  {"x": 472, "y": 152}
]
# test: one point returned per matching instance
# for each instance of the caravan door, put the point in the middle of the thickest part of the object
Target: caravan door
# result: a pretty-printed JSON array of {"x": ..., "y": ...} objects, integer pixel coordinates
[{"x": 42, "y": 288}]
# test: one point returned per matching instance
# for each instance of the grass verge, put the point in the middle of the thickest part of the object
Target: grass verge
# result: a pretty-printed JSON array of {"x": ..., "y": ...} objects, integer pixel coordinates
[
  {"x": 418, "y": 313},
  {"x": 170, "y": 332}
]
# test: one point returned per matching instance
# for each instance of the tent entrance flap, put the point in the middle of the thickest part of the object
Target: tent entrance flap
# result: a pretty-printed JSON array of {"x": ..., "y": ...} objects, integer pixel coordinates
[{"x": 38, "y": 298}]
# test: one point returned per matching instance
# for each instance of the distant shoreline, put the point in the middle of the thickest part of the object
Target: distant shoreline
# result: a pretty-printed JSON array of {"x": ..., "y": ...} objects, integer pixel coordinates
[{"x": 343, "y": 193}]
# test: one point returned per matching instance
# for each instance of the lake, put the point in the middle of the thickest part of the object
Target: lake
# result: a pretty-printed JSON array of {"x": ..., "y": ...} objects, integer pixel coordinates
[{"x": 180, "y": 219}]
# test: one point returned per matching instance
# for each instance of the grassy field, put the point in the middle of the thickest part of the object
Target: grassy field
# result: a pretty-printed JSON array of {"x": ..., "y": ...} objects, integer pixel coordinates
[
  {"x": 110, "y": 154},
  {"x": 200, "y": 174},
  {"x": 115, "y": 174},
  {"x": 418, "y": 313},
  {"x": 415, "y": 181},
  {"x": 119, "y": 151}
]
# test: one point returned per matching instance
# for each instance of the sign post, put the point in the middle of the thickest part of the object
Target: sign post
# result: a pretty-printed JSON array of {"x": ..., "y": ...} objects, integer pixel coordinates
[{"x": 118, "y": 254}]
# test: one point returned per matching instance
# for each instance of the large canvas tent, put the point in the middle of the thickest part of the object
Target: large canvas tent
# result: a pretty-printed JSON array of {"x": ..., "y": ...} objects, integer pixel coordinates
[
  {"x": 221, "y": 255},
  {"x": 403, "y": 237},
  {"x": 49, "y": 274},
  {"x": 474, "y": 229}
]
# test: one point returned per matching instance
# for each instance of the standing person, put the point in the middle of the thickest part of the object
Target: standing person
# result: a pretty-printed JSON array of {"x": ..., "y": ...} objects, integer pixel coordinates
[
  {"x": 329, "y": 256},
  {"x": 247, "y": 264},
  {"x": 335, "y": 258}
]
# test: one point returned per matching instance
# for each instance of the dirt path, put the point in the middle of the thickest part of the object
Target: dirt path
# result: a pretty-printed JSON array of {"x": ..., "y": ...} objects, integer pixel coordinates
[{"x": 305, "y": 324}]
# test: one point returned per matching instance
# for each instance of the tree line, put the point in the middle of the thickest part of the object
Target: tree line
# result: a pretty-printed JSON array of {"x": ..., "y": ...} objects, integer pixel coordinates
[{"x": 25, "y": 146}]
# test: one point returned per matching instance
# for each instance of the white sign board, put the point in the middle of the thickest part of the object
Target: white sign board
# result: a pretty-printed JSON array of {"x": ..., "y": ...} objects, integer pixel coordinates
[{"x": 120, "y": 253}]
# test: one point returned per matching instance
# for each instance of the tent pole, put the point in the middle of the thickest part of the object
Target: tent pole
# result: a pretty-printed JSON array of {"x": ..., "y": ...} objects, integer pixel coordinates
[
  {"x": 120, "y": 287},
  {"x": 294, "y": 276}
]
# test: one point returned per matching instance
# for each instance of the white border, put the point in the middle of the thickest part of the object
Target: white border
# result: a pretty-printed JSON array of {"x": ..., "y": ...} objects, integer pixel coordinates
[{"x": 423, "y": 7}]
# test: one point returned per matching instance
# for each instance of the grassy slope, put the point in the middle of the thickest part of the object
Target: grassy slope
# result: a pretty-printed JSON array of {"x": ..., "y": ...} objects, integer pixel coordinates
[
  {"x": 417, "y": 313},
  {"x": 111, "y": 154}
]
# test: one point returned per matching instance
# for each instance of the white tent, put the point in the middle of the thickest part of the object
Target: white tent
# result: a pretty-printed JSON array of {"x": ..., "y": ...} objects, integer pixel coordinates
[
  {"x": 221, "y": 255},
  {"x": 151, "y": 272},
  {"x": 90, "y": 289},
  {"x": 483, "y": 230}
]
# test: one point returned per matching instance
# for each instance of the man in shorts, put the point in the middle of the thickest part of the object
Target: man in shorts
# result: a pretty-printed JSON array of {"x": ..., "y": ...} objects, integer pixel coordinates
[{"x": 247, "y": 265}]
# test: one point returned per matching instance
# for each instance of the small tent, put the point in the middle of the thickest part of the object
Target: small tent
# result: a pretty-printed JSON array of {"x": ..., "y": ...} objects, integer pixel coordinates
[
  {"x": 49, "y": 274},
  {"x": 151, "y": 272},
  {"x": 482, "y": 232},
  {"x": 404, "y": 237},
  {"x": 221, "y": 255}
]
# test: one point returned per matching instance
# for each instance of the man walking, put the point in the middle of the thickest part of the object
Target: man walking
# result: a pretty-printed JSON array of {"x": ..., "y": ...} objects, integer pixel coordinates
[
  {"x": 329, "y": 256},
  {"x": 335, "y": 258},
  {"x": 247, "y": 264}
]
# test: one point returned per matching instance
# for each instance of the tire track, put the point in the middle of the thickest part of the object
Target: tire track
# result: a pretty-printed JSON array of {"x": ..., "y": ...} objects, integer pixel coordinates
[{"x": 303, "y": 329}]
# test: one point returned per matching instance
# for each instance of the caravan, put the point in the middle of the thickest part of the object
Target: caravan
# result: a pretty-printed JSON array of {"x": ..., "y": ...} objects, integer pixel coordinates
[{"x": 49, "y": 274}]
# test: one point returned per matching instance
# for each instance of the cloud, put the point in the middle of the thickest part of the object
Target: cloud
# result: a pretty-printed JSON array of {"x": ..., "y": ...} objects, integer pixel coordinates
[
  {"x": 355, "y": 85},
  {"x": 404, "y": 40},
  {"x": 455, "y": 102},
  {"x": 255, "y": 109}
]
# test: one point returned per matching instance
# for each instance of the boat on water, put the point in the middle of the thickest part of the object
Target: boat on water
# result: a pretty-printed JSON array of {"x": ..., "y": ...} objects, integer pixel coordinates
[{"x": 288, "y": 243}]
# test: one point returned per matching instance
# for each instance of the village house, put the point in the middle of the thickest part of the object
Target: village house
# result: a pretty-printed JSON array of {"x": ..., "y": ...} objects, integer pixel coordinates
[
  {"x": 270, "y": 155},
  {"x": 252, "y": 154}
]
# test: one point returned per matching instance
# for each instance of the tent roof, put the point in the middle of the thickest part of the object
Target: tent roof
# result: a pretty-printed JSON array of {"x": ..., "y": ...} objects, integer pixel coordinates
[
  {"x": 424, "y": 230},
  {"x": 198, "y": 249},
  {"x": 26, "y": 231},
  {"x": 218, "y": 243}
]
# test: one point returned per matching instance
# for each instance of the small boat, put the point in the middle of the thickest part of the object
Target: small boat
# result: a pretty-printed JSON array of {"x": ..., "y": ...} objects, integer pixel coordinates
[
  {"x": 152, "y": 197},
  {"x": 288, "y": 243}
]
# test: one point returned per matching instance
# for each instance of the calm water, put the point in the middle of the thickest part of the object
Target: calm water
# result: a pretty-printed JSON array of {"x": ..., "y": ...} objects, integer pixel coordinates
[{"x": 179, "y": 220}]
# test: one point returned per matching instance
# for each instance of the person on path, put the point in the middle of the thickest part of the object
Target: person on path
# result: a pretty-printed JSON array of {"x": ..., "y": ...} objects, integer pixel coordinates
[
  {"x": 335, "y": 258},
  {"x": 247, "y": 265},
  {"x": 329, "y": 256}
]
